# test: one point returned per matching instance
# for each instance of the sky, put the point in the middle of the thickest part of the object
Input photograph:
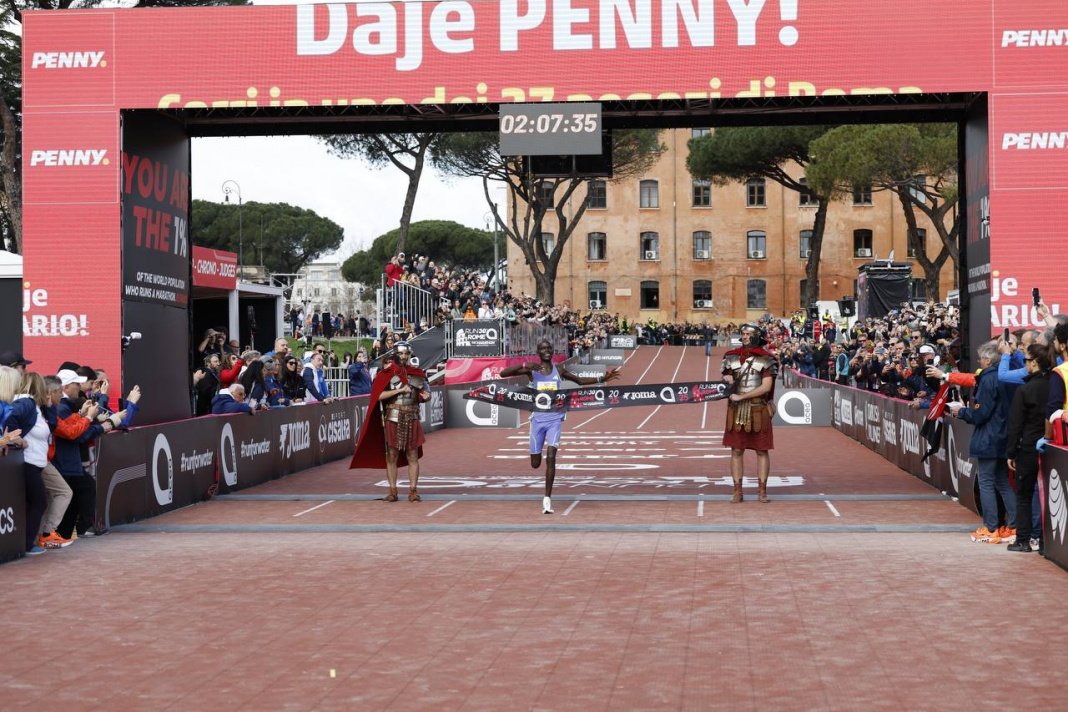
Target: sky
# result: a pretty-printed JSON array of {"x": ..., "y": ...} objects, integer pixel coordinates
[{"x": 298, "y": 170}]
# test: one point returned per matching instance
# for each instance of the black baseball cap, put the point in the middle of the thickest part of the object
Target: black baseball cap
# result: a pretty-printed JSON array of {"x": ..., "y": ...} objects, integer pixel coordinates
[{"x": 13, "y": 358}]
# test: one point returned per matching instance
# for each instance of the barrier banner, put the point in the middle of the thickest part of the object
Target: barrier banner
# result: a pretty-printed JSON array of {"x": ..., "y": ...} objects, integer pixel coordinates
[
  {"x": 155, "y": 469},
  {"x": 802, "y": 406},
  {"x": 12, "y": 507},
  {"x": 622, "y": 341},
  {"x": 606, "y": 357},
  {"x": 1055, "y": 516},
  {"x": 477, "y": 337},
  {"x": 598, "y": 397},
  {"x": 463, "y": 413}
]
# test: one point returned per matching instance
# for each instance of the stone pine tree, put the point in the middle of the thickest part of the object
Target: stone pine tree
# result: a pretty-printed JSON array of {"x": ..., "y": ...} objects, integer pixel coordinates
[
  {"x": 730, "y": 155},
  {"x": 11, "y": 97},
  {"x": 449, "y": 242},
  {"x": 917, "y": 163},
  {"x": 407, "y": 152},
  {"x": 536, "y": 203}
]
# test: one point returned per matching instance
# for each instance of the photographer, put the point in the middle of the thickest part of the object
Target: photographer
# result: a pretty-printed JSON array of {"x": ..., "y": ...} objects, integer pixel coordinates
[
  {"x": 1027, "y": 425},
  {"x": 989, "y": 414},
  {"x": 206, "y": 384}
]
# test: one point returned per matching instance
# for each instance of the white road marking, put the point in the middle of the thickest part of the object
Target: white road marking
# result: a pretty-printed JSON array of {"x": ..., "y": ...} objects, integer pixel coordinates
[
  {"x": 314, "y": 508},
  {"x": 638, "y": 382},
  {"x": 441, "y": 508},
  {"x": 657, "y": 409},
  {"x": 568, "y": 510},
  {"x": 595, "y": 417},
  {"x": 700, "y": 508},
  {"x": 831, "y": 507}
]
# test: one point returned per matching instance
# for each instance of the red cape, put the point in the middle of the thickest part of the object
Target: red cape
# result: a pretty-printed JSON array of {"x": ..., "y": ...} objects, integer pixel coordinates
[{"x": 370, "y": 450}]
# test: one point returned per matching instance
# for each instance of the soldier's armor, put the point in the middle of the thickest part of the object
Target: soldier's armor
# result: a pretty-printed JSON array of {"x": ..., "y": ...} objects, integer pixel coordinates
[
  {"x": 403, "y": 408},
  {"x": 752, "y": 414}
]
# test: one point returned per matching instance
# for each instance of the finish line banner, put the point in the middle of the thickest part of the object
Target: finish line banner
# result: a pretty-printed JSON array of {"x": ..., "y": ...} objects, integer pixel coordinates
[{"x": 527, "y": 398}]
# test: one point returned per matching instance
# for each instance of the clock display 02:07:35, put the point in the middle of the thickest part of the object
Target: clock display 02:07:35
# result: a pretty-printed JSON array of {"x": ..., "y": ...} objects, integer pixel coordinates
[{"x": 549, "y": 124}]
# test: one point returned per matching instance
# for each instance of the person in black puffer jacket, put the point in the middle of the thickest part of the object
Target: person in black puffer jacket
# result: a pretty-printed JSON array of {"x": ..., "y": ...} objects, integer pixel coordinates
[{"x": 1027, "y": 424}]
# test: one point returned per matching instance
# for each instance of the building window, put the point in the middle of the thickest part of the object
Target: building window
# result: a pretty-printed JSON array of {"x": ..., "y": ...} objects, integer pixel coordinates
[
  {"x": 804, "y": 291},
  {"x": 316, "y": 291},
  {"x": 756, "y": 294},
  {"x": 699, "y": 133},
  {"x": 598, "y": 192},
  {"x": 862, "y": 195},
  {"x": 649, "y": 194},
  {"x": 806, "y": 244},
  {"x": 754, "y": 193},
  {"x": 702, "y": 294},
  {"x": 862, "y": 243},
  {"x": 650, "y": 246},
  {"x": 916, "y": 190},
  {"x": 333, "y": 291},
  {"x": 547, "y": 194},
  {"x": 756, "y": 245},
  {"x": 921, "y": 238},
  {"x": 316, "y": 274},
  {"x": 702, "y": 245},
  {"x": 598, "y": 293},
  {"x": 702, "y": 193},
  {"x": 597, "y": 246},
  {"x": 650, "y": 295},
  {"x": 808, "y": 199},
  {"x": 918, "y": 289},
  {"x": 547, "y": 243}
]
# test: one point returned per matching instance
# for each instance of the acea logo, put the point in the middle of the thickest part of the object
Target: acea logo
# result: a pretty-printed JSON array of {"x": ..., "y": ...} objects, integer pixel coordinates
[
  {"x": 294, "y": 437},
  {"x": 1058, "y": 509},
  {"x": 228, "y": 455},
  {"x": 162, "y": 449},
  {"x": 805, "y": 418},
  {"x": 68, "y": 60},
  {"x": 847, "y": 411},
  {"x": 483, "y": 422},
  {"x": 960, "y": 467},
  {"x": 69, "y": 157}
]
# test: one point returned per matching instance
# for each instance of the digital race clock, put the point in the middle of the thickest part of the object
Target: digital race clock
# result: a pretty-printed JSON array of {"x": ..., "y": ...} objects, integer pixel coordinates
[{"x": 550, "y": 129}]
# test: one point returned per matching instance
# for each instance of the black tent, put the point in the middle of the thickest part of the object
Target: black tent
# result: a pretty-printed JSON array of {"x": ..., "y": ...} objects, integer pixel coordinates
[{"x": 882, "y": 287}]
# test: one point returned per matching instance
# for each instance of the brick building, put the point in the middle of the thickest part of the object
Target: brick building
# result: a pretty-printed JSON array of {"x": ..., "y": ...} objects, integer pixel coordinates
[{"x": 670, "y": 248}]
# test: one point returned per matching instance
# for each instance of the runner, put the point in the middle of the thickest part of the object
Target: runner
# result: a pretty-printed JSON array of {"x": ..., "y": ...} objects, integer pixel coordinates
[
  {"x": 546, "y": 428},
  {"x": 393, "y": 419},
  {"x": 751, "y": 370}
]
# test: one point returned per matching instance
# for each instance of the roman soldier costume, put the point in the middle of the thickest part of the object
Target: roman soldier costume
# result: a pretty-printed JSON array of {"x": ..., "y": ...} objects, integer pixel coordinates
[
  {"x": 392, "y": 423},
  {"x": 748, "y": 424}
]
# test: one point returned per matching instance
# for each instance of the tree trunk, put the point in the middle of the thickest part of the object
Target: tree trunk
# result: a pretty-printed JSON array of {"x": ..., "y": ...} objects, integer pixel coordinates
[
  {"x": 409, "y": 198},
  {"x": 931, "y": 268},
  {"x": 812, "y": 267},
  {"x": 11, "y": 176}
]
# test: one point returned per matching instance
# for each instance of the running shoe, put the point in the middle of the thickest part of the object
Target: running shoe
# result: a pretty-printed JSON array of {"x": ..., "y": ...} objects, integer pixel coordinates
[
  {"x": 1020, "y": 546},
  {"x": 36, "y": 551},
  {"x": 1036, "y": 544},
  {"x": 53, "y": 541},
  {"x": 546, "y": 505},
  {"x": 985, "y": 536},
  {"x": 1007, "y": 536}
]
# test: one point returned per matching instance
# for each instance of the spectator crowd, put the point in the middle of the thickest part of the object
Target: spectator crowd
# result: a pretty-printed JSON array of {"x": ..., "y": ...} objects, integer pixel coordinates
[{"x": 56, "y": 421}]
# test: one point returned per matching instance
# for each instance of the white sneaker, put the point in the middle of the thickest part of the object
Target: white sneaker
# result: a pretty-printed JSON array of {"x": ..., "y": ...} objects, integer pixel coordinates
[
  {"x": 1035, "y": 543},
  {"x": 546, "y": 505}
]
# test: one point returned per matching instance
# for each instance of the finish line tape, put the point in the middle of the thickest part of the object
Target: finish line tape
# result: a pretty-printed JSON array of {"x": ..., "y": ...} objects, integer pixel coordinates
[{"x": 599, "y": 397}]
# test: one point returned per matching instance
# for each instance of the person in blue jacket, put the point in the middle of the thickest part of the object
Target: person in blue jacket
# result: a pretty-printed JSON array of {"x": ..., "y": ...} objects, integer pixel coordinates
[
  {"x": 276, "y": 396},
  {"x": 1011, "y": 368},
  {"x": 359, "y": 376},
  {"x": 989, "y": 414},
  {"x": 231, "y": 400},
  {"x": 315, "y": 384}
]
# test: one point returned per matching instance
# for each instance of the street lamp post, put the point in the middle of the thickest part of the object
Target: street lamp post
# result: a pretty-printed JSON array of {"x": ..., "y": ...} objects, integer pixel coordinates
[
  {"x": 492, "y": 217},
  {"x": 227, "y": 189}
]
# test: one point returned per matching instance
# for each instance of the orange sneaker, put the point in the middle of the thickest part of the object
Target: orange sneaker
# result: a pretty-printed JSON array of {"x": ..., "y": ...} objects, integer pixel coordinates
[
  {"x": 1007, "y": 536},
  {"x": 52, "y": 540},
  {"x": 985, "y": 536}
]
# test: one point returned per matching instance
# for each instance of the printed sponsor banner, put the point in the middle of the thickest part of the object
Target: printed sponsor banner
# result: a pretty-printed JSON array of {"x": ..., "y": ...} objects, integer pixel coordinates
[
  {"x": 477, "y": 337},
  {"x": 214, "y": 268},
  {"x": 155, "y": 469},
  {"x": 587, "y": 398},
  {"x": 12, "y": 507},
  {"x": 607, "y": 357},
  {"x": 463, "y": 413},
  {"x": 472, "y": 370},
  {"x": 584, "y": 371},
  {"x": 622, "y": 341},
  {"x": 1055, "y": 513},
  {"x": 804, "y": 407}
]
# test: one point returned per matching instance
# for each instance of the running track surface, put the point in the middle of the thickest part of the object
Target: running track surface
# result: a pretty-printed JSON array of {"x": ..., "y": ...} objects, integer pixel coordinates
[{"x": 864, "y": 593}]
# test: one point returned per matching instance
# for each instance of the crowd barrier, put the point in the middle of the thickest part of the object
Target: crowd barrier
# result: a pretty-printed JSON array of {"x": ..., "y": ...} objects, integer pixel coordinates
[
  {"x": 890, "y": 428},
  {"x": 12, "y": 507}
]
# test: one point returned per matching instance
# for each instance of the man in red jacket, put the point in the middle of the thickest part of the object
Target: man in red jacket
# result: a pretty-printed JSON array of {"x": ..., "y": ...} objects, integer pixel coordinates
[
  {"x": 394, "y": 270},
  {"x": 393, "y": 419}
]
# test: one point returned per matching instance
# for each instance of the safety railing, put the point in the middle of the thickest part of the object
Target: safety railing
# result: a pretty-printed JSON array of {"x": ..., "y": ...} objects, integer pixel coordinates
[{"x": 404, "y": 303}]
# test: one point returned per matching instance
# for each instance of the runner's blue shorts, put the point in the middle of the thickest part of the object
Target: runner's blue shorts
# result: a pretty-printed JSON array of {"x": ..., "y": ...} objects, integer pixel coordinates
[{"x": 545, "y": 431}]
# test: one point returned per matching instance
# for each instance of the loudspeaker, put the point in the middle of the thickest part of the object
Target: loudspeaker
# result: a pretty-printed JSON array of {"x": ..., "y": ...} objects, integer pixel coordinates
[{"x": 847, "y": 307}]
